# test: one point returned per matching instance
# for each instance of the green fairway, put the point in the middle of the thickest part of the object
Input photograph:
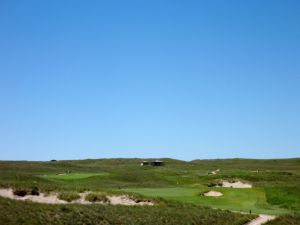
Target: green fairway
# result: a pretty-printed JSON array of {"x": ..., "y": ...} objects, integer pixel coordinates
[
  {"x": 232, "y": 199},
  {"x": 73, "y": 176}
]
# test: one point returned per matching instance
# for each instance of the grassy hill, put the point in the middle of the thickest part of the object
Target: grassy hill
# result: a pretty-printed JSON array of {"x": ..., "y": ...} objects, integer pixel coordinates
[{"x": 178, "y": 186}]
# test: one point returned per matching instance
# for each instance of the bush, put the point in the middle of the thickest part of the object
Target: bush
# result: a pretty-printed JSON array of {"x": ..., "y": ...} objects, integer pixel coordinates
[
  {"x": 20, "y": 192},
  {"x": 215, "y": 184},
  {"x": 68, "y": 196},
  {"x": 26, "y": 191},
  {"x": 96, "y": 197},
  {"x": 35, "y": 191}
]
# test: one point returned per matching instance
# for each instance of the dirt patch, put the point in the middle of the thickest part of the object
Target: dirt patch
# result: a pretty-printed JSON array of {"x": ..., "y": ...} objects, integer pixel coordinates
[
  {"x": 235, "y": 184},
  {"x": 213, "y": 194},
  {"x": 52, "y": 198}
]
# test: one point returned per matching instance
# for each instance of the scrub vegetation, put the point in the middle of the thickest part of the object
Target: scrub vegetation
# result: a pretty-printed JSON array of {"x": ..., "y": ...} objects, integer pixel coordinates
[
  {"x": 177, "y": 188},
  {"x": 286, "y": 220},
  {"x": 167, "y": 213},
  {"x": 96, "y": 197},
  {"x": 68, "y": 196}
]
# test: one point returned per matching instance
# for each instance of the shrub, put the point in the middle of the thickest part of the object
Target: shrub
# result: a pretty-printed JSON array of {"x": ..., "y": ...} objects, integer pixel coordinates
[
  {"x": 20, "y": 192},
  {"x": 26, "y": 191},
  {"x": 211, "y": 185},
  {"x": 215, "y": 184},
  {"x": 96, "y": 197},
  {"x": 35, "y": 191},
  {"x": 68, "y": 196}
]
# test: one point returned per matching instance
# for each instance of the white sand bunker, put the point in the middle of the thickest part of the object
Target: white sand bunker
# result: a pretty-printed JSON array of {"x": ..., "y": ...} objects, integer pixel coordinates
[
  {"x": 52, "y": 198},
  {"x": 262, "y": 219},
  {"x": 41, "y": 198},
  {"x": 235, "y": 184},
  {"x": 213, "y": 194},
  {"x": 127, "y": 200}
]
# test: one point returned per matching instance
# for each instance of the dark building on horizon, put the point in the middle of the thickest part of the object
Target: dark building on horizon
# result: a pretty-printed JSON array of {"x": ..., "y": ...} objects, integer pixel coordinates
[
  {"x": 153, "y": 163},
  {"x": 145, "y": 163},
  {"x": 157, "y": 163}
]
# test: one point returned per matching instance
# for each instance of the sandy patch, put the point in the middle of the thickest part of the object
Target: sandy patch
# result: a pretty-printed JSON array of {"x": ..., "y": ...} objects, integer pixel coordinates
[
  {"x": 261, "y": 220},
  {"x": 126, "y": 200},
  {"x": 52, "y": 198},
  {"x": 42, "y": 198},
  {"x": 213, "y": 194},
  {"x": 237, "y": 184}
]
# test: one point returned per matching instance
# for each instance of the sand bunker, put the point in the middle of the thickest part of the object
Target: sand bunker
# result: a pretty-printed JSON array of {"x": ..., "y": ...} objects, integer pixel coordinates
[
  {"x": 52, "y": 198},
  {"x": 42, "y": 198},
  {"x": 262, "y": 219},
  {"x": 236, "y": 184},
  {"x": 213, "y": 194},
  {"x": 127, "y": 200}
]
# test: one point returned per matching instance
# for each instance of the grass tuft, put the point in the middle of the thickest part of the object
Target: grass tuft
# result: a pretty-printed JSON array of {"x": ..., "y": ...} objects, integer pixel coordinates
[
  {"x": 68, "y": 196},
  {"x": 96, "y": 197}
]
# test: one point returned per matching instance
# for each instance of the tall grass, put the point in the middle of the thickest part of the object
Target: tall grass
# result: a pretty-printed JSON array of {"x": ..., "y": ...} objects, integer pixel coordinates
[
  {"x": 96, "y": 197},
  {"x": 28, "y": 213},
  {"x": 287, "y": 197},
  {"x": 68, "y": 196},
  {"x": 286, "y": 220}
]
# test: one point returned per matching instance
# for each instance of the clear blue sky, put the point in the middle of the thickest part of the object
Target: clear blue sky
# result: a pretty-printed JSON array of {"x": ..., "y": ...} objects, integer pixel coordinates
[{"x": 180, "y": 79}]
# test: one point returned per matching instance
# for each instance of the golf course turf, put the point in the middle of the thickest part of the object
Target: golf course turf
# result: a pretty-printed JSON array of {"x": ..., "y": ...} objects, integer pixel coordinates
[{"x": 177, "y": 188}]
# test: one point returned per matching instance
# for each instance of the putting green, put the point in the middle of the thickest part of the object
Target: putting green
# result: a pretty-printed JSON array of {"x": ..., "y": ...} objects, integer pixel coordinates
[
  {"x": 73, "y": 176},
  {"x": 241, "y": 200}
]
